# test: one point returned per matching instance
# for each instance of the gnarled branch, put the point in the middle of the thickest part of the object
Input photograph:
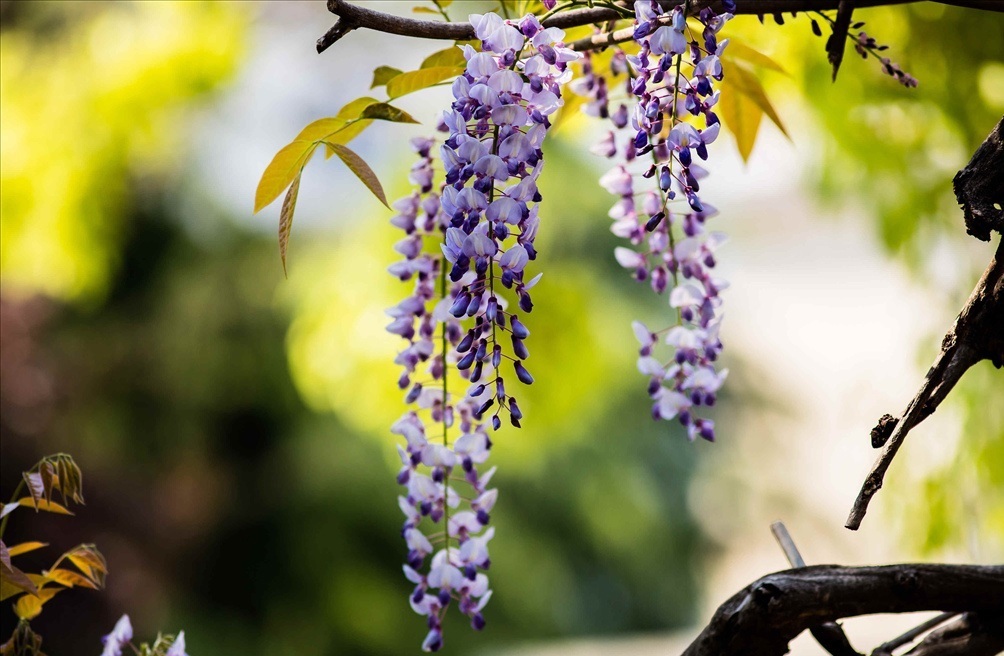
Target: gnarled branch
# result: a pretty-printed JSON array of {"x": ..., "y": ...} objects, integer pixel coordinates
[
  {"x": 978, "y": 332},
  {"x": 352, "y": 16},
  {"x": 764, "y": 617}
]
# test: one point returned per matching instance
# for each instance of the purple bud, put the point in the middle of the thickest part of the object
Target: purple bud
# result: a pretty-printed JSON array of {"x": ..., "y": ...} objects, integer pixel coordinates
[
  {"x": 518, "y": 329},
  {"x": 466, "y": 361},
  {"x": 523, "y": 375},
  {"x": 519, "y": 348},
  {"x": 466, "y": 343}
]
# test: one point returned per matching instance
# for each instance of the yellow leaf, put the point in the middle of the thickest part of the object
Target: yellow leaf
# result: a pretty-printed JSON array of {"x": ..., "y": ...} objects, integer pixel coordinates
[
  {"x": 745, "y": 82},
  {"x": 279, "y": 174},
  {"x": 424, "y": 10},
  {"x": 742, "y": 117},
  {"x": 25, "y": 547},
  {"x": 742, "y": 52},
  {"x": 90, "y": 561},
  {"x": 27, "y": 607},
  {"x": 355, "y": 108},
  {"x": 361, "y": 169},
  {"x": 452, "y": 57},
  {"x": 286, "y": 219},
  {"x": 42, "y": 504},
  {"x": 423, "y": 78},
  {"x": 69, "y": 579}
]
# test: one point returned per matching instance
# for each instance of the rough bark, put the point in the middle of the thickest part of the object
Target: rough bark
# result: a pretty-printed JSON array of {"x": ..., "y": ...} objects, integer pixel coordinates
[{"x": 762, "y": 618}]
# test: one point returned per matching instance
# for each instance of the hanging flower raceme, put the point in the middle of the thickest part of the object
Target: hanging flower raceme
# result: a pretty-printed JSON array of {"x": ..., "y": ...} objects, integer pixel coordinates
[
  {"x": 670, "y": 84},
  {"x": 484, "y": 219},
  {"x": 493, "y": 159}
]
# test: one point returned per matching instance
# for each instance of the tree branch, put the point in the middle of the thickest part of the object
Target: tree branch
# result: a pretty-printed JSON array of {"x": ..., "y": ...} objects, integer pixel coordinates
[
  {"x": 761, "y": 619},
  {"x": 973, "y": 634},
  {"x": 977, "y": 333},
  {"x": 351, "y": 17},
  {"x": 979, "y": 187},
  {"x": 829, "y": 635}
]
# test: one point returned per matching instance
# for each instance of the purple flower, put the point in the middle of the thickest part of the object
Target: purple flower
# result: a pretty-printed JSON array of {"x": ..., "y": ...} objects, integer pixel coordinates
[
  {"x": 120, "y": 636},
  {"x": 178, "y": 646}
]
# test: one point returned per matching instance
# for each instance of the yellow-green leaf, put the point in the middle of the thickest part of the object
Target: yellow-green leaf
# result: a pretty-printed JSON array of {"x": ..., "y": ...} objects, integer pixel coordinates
[
  {"x": 355, "y": 108},
  {"x": 286, "y": 219},
  {"x": 25, "y": 547},
  {"x": 424, "y": 10},
  {"x": 381, "y": 74},
  {"x": 42, "y": 504},
  {"x": 27, "y": 607},
  {"x": 451, "y": 57},
  {"x": 423, "y": 78},
  {"x": 745, "y": 82},
  {"x": 742, "y": 52},
  {"x": 279, "y": 174},
  {"x": 361, "y": 169},
  {"x": 742, "y": 117},
  {"x": 385, "y": 112}
]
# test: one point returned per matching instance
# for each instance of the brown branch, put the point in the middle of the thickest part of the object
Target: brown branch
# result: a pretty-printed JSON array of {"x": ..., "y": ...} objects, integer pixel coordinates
[
  {"x": 977, "y": 333},
  {"x": 352, "y": 16},
  {"x": 973, "y": 634},
  {"x": 838, "y": 37},
  {"x": 829, "y": 635},
  {"x": 765, "y": 616},
  {"x": 979, "y": 187}
]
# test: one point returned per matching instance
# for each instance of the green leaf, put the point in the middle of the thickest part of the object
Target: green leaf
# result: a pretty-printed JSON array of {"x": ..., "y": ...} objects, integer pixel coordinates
[
  {"x": 746, "y": 83},
  {"x": 361, "y": 169},
  {"x": 742, "y": 52},
  {"x": 385, "y": 112},
  {"x": 423, "y": 78},
  {"x": 284, "y": 167},
  {"x": 382, "y": 74},
  {"x": 286, "y": 219},
  {"x": 452, "y": 56}
]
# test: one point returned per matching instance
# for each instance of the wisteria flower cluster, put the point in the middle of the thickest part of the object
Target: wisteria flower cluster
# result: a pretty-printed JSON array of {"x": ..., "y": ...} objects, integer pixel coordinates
[
  {"x": 122, "y": 635},
  {"x": 656, "y": 137},
  {"x": 484, "y": 219}
]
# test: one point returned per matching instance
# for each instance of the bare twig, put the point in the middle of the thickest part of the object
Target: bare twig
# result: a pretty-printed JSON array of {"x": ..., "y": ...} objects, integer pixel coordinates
[
  {"x": 762, "y": 618},
  {"x": 829, "y": 635},
  {"x": 978, "y": 332},
  {"x": 352, "y": 16},
  {"x": 887, "y": 648}
]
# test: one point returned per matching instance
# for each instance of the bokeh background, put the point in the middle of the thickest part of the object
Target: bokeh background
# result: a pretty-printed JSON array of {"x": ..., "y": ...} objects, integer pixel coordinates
[{"x": 232, "y": 423}]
